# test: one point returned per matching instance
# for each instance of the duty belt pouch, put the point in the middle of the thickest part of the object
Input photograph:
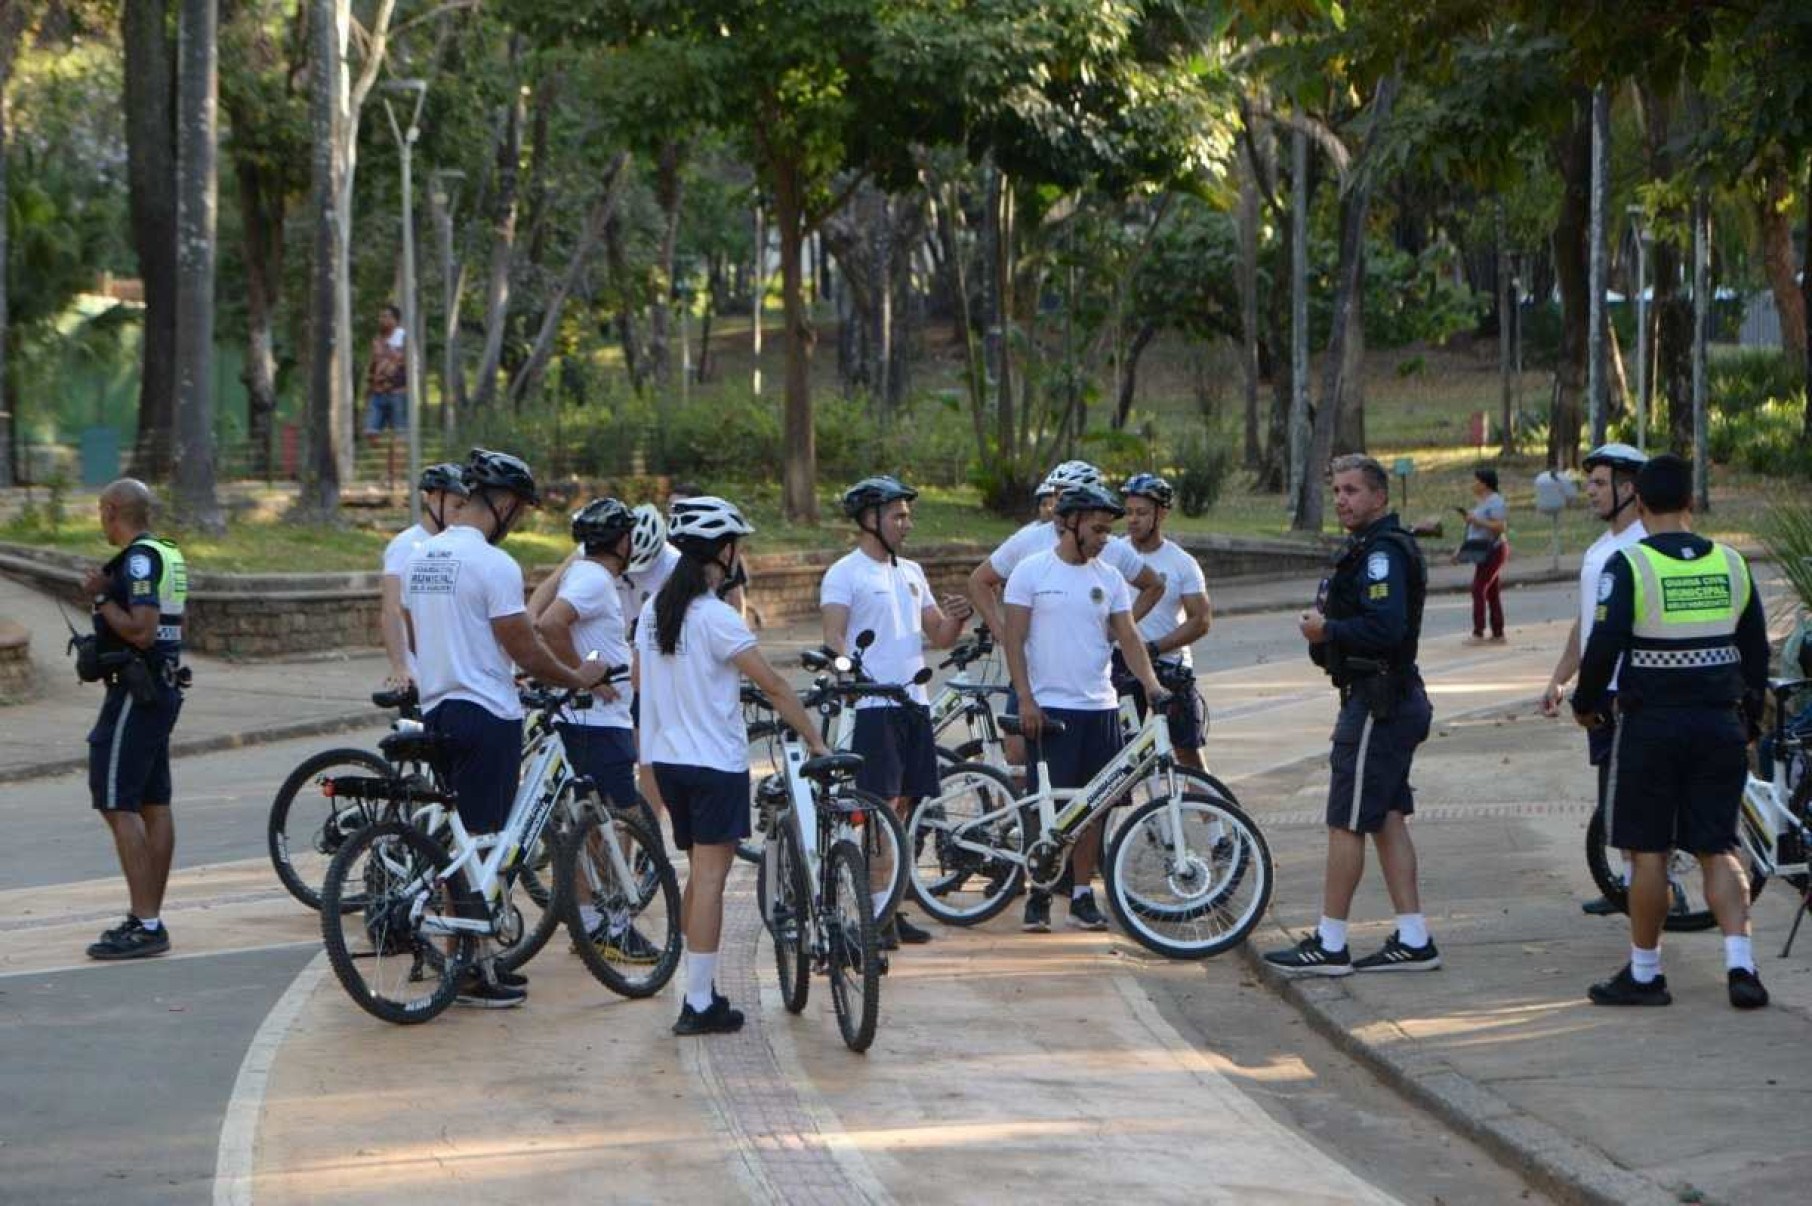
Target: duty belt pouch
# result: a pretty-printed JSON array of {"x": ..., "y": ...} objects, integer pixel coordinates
[
  {"x": 1375, "y": 686},
  {"x": 87, "y": 657},
  {"x": 139, "y": 681}
]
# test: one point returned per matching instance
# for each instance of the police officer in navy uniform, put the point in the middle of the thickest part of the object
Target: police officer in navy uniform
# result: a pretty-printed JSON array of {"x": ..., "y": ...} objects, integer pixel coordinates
[
  {"x": 138, "y": 599},
  {"x": 1366, "y": 639},
  {"x": 1683, "y": 615}
]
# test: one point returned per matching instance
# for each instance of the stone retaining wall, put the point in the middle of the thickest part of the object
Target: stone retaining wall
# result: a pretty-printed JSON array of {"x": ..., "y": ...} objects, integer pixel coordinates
[
  {"x": 269, "y": 615},
  {"x": 18, "y": 681}
]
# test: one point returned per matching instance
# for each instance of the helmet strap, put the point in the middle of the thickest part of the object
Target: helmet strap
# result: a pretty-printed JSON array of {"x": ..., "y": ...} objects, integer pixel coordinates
[
  {"x": 733, "y": 573},
  {"x": 437, "y": 514},
  {"x": 502, "y": 526},
  {"x": 1621, "y": 503},
  {"x": 893, "y": 554}
]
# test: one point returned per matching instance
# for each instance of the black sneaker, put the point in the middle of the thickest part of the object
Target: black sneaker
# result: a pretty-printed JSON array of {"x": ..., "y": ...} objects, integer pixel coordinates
[
  {"x": 1310, "y": 958},
  {"x": 1746, "y": 991},
  {"x": 510, "y": 979},
  {"x": 1037, "y": 918},
  {"x": 131, "y": 940},
  {"x": 718, "y": 1018},
  {"x": 1622, "y": 989},
  {"x": 1396, "y": 957},
  {"x": 1084, "y": 914},
  {"x": 476, "y": 992},
  {"x": 1602, "y": 907},
  {"x": 888, "y": 936},
  {"x": 910, "y": 934}
]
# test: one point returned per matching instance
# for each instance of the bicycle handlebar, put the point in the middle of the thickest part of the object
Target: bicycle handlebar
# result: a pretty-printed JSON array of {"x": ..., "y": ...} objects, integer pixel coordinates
[{"x": 406, "y": 697}]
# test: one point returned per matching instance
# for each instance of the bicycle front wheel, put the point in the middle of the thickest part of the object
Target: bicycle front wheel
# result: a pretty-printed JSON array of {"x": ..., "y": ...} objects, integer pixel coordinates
[
  {"x": 853, "y": 954},
  {"x": 789, "y": 917},
  {"x": 307, "y": 825},
  {"x": 621, "y": 902},
  {"x": 377, "y": 948},
  {"x": 963, "y": 846},
  {"x": 1188, "y": 880}
]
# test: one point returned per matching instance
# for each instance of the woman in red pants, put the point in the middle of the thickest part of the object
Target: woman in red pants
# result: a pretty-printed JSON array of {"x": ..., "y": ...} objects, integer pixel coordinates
[{"x": 1486, "y": 524}]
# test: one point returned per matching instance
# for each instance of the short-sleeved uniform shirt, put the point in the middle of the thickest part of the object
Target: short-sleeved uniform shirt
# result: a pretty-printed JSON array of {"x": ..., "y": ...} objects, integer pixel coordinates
[
  {"x": 634, "y": 590},
  {"x": 1182, "y": 576},
  {"x": 592, "y": 592},
  {"x": 453, "y": 587},
  {"x": 134, "y": 576},
  {"x": 691, "y": 699},
  {"x": 1042, "y": 537},
  {"x": 397, "y": 553},
  {"x": 888, "y": 600},
  {"x": 1069, "y": 648},
  {"x": 1591, "y": 571}
]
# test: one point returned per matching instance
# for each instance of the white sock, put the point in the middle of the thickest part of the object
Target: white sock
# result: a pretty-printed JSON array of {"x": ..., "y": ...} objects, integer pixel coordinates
[
  {"x": 151, "y": 924},
  {"x": 880, "y": 899},
  {"x": 1737, "y": 953},
  {"x": 589, "y": 917},
  {"x": 1333, "y": 934},
  {"x": 1081, "y": 890},
  {"x": 1412, "y": 929},
  {"x": 701, "y": 969},
  {"x": 1644, "y": 965},
  {"x": 1626, "y": 872}
]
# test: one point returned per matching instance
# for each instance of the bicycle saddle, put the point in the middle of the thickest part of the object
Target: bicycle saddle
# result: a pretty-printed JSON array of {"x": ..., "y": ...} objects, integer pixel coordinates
[
  {"x": 831, "y": 766},
  {"x": 1052, "y": 726},
  {"x": 411, "y": 747}
]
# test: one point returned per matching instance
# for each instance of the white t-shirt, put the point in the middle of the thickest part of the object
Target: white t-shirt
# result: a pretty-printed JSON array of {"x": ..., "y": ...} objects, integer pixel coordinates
[
  {"x": 1591, "y": 567},
  {"x": 591, "y": 591},
  {"x": 889, "y": 600},
  {"x": 1182, "y": 576},
  {"x": 633, "y": 590},
  {"x": 1069, "y": 650},
  {"x": 453, "y": 588},
  {"x": 692, "y": 699},
  {"x": 397, "y": 553},
  {"x": 1042, "y": 537}
]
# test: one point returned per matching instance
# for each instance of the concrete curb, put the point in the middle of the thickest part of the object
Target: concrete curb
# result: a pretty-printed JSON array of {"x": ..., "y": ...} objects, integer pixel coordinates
[
  {"x": 341, "y": 723},
  {"x": 1552, "y": 1161}
]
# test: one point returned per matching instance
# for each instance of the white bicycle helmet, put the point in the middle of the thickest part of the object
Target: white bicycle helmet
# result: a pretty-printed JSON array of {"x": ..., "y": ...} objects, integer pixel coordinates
[
  {"x": 1617, "y": 456},
  {"x": 1068, "y": 476},
  {"x": 647, "y": 538},
  {"x": 700, "y": 525}
]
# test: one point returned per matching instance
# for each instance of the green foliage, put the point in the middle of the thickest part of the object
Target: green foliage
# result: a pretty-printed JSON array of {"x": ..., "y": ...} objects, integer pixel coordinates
[
  {"x": 1766, "y": 439},
  {"x": 1203, "y": 467},
  {"x": 1118, "y": 454},
  {"x": 1740, "y": 381},
  {"x": 1786, "y": 532},
  {"x": 1411, "y": 299}
]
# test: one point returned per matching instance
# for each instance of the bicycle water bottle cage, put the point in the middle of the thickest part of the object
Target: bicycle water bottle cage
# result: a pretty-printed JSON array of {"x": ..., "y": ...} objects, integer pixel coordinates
[{"x": 831, "y": 767}]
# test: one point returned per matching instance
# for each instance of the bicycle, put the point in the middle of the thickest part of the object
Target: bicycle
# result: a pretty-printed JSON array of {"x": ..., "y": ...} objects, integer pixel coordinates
[
  {"x": 1774, "y": 828},
  {"x": 814, "y": 887},
  {"x": 410, "y": 892},
  {"x": 1188, "y": 873}
]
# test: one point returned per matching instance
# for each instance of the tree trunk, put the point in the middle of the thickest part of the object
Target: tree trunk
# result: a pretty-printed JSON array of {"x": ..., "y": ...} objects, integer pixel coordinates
[
  {"x": 1805, "y": 298},
  {"x": 601, "y": 210},
  {"x": 998, "y": 238},
  {"x": 503, "y": 241},
  {"x": 12, "y": 26},
  {"x": 327, "y": 378},
  {"x": 1506, "y": 308},
  {"x": 616, "y": 258},
  {"x": 669, "y": 194},
  {"x": 197, "y": 195},
  {"x": 261, "y": 243},
  {"x": 975, "y": 368},
  {"x": 799, "y": 453},
  {"x": 150, "y": 99},
  {"x": 1338, "y": 370},
  {"x": 453, "y": 402},
  {"x": 1573, "y": 154},
  {"x": 1248, "y": 304},
  {"x": 353, "y": 92},
  {"x": 1671, "y": 309},
  {"x": 1775, "y": 219},
  {"x": 1349, "y": 422},
  {"x": 1129, "y": 372}
]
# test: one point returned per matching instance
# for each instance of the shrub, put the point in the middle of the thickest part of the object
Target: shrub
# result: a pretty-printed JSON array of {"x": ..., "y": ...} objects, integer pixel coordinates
[
  {"x": 1203, "y": 465},
  {"x": 1767, "y": 440},
  {"x": 1743, "y": 380}
]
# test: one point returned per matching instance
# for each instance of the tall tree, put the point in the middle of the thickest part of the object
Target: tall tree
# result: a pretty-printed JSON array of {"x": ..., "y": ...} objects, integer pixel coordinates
[
  {"x": 197, "y": 190},
  {"x": 150, "y": 99},
  {"x": 12, "y": 29},
  {"x": 504, "y": 202},
  {"x": 328, "y": 379}
]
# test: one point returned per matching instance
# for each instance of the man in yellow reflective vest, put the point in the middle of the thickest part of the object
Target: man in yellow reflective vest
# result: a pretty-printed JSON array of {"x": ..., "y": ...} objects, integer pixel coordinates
[{"x": 1682, "y": 615}]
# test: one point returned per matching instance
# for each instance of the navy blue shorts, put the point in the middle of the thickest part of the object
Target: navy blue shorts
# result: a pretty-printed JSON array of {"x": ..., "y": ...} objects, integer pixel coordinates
[
  {"x": 1089, "y": 741},
  {"x": 1187, "y": 719},
  {"x": 482, "y": 761},
  {"x": 129, "y": 751},
  {"x": 1371, "y": 759},
  {"x": 1676, "y": 780},
  {"x": 707, "y": 806},
  {"x": 899, "y": 757},
  {"x": 606, "y": 756}
]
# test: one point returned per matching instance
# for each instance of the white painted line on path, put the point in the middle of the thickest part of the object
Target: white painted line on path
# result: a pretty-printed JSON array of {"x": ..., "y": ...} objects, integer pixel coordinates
[{"x": 236, "y": 1158}]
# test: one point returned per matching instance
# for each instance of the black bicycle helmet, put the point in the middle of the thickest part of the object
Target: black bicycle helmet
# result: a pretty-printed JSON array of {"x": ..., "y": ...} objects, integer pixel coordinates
[
  {"x": 875, "y": 492},
  {"x": 600, "y": 523},
  {"x": 1078, "y": 499},
  {"x": 487, "y": 470},
  {"x": 1149, "y": 485},
  {"x": 448, "y": 477}
]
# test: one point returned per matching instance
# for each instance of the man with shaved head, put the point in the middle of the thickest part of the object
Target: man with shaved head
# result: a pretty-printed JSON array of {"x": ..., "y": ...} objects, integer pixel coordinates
[{"x": 138, "y": 600}]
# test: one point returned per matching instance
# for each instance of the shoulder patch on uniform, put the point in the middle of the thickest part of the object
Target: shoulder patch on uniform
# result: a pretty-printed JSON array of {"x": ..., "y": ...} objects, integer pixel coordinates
[
  {"x": 1606, "y": 584},
  {"x": 138, "y": 565},
  {"x": 1377, "y": 566}
]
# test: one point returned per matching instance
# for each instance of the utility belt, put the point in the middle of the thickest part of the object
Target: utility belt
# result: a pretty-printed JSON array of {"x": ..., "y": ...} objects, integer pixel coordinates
[
  {"x": 1378, "y": 684},
  {"x": 142, "y": 677}
]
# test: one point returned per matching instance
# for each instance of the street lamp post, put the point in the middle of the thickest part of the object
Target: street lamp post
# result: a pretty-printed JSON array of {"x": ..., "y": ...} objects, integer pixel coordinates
[
  {"x": 1642, "y": 238},
  {"x": 405, "y": 143}
]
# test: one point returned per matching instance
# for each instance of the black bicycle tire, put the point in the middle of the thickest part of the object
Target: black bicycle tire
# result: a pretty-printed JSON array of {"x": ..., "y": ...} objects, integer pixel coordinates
[
  {"x": 275, "y": 831},
  {"x": 1009, "y": 886},
  {"x": 1260, "y": 862},
  {"x": 341, "y": 959},
  {"x": 1611, "y": 884},
  {"x": 535, "y": 938},
  {"x": 858, "y": 1029},
  {"x": 792, "y": 955},
  {"x": 902, "y": 870},
  {"x": 570, "y": 902}
]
